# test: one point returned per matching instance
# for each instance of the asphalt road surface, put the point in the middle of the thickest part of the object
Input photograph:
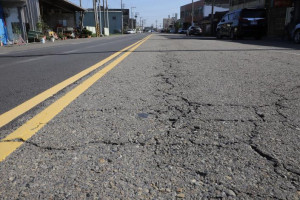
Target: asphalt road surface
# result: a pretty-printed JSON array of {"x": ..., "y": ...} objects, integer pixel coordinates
[
  {"x": 27, "y": 73},
  {"x": 179, "y": 118}
]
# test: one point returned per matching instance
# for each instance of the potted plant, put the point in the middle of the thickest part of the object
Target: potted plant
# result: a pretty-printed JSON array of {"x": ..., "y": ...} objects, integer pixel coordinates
[
  {"x": 1, "y": 42},
  {"x": 61, "y": 36},
  {"x": 86, "y": 33}
]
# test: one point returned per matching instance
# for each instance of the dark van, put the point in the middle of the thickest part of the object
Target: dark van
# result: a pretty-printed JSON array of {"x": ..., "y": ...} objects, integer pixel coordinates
[{"x": 243, "y": 22}]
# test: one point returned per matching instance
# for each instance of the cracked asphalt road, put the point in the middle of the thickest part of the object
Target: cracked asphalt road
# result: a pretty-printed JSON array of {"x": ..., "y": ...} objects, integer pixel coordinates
[{"x": 180, "y": 118}]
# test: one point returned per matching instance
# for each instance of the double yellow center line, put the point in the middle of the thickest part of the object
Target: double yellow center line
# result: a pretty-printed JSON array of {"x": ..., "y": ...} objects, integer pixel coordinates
[{"x": 14, "y": 140}]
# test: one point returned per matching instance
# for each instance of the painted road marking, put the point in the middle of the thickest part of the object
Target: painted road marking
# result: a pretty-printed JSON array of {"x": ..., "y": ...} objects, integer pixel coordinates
[
  {"x": 14, "y": 140},
  {"x": 31, "y": 59},
  {"x": 277, "y": 51},
  {"x": 12, "y": 114},
  {"x": 297, "y": 54}
]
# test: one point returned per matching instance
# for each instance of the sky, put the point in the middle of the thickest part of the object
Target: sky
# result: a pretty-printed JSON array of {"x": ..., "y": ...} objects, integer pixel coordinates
[{"x": 150, "y": 10}]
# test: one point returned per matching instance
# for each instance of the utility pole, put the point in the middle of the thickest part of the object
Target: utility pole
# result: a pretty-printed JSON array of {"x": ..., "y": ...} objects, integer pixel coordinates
[
  {"x": 132, "y": 17},
  {"x": 212, "y": 17},
  {"x": 107, "y": 17},
  {"x": 100, "y": 17},
  {"x": 141, "y": 22},
  {"x": 156, "y": 24},
  {"x": 81, "y": 17},
  {"x": 122, "y": 29},
  {"x": 136, "y": 16},
  {"x": 104, "y": 18},
  {"x": 192, "y": 13},
  {"x": 96, "y": 19}
]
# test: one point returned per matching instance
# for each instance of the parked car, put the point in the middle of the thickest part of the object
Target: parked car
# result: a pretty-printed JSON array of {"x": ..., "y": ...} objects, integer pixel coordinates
[
  {"x": 194, "y": 30},
  {"x": 130, "y": 31},
  {"x": 243, "y": 22},
  {"x": 296, "y": 34},
  {"x": 182, "y": 31}
]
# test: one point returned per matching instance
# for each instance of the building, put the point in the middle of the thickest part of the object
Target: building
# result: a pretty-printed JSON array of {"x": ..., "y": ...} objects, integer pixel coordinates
[
  {"x": 59, "y": 14},
  {"x": 125, "y": 17},
  {"x": 202, "y": 9},
  {"x": 169, "y": 23},
  {"x": 114, "y": 22},
  {"x": 186, "y": 13},
  {"x": 13, "y": 19},
  {"x": 3, "y": 29},
  {"x": 21, "y": 16},
  {"x": 276, "y": 9}
]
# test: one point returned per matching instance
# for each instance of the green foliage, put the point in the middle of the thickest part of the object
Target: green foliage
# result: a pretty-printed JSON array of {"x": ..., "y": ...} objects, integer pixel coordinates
[
  {"x": 60, "y": 35},
  {"x": 41, "y": 25},
  {"x": 86, "y": 32}
]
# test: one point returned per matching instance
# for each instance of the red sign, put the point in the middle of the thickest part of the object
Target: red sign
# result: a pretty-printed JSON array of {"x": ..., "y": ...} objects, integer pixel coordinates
[{"x": 283, "y": 3}]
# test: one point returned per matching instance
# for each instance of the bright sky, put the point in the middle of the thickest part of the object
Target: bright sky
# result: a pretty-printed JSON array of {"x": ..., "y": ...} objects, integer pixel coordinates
[{"x": 151, "y": 10}]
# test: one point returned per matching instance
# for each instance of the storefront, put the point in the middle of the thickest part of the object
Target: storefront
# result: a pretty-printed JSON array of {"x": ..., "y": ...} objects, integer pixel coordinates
[
  {"x": 3, "y": 30},
  {"x": 13, "y": 20},
  {"x": 58, "y": 15}
]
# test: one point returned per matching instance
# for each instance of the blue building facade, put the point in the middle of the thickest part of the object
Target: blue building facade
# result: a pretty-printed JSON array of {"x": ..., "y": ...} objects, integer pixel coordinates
[
  {"x": 115, "y": 20},
  {"x": 3, "y": 30}
]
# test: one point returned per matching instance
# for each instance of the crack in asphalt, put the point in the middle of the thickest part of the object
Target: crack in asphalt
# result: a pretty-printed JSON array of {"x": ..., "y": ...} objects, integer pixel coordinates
[{"x": 167, "y": 77}]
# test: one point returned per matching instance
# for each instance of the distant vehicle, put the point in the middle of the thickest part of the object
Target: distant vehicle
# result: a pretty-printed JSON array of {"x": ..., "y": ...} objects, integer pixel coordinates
[
  {"x": 194, "y": 30},
  {"x": 182, "y": 31},
  {"x": 130, "y": 31},
  {"x": 243, "y": 22},
  {"x": 139, "y": 31},
  {"x": 296, "y": 34}
]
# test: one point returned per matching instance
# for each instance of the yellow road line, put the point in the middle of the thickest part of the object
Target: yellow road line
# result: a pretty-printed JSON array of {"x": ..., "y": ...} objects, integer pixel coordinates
[
  {"x": 27, "y": 130},
  {"x": 12, "y": 114}
]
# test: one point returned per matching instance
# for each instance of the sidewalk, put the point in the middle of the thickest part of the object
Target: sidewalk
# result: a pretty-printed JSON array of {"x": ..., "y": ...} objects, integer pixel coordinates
[{"x": 38, "y": 45}]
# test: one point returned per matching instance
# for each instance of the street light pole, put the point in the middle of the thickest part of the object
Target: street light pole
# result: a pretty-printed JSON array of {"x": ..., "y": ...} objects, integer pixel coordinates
[
  {"x": 192, "y": 12},
  {"x": 212, "y": 17}
]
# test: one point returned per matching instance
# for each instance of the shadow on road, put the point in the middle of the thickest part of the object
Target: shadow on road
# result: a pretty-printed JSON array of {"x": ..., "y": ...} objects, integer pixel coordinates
[
  {"x": 262, "y": 45},
  {"x": 148, "y": 51},
  {"x": 248, "y": 41}
]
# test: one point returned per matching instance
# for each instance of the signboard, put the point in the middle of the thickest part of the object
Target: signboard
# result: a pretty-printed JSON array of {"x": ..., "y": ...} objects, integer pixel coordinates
[{"x": 283, "y": 3}]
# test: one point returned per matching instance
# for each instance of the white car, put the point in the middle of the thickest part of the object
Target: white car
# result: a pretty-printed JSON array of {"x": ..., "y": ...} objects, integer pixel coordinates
[{"x": 130, "y": 31}]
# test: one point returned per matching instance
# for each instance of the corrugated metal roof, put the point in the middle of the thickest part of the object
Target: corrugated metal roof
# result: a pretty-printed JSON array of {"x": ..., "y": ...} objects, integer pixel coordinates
[{"x": 64, "y": 4}]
